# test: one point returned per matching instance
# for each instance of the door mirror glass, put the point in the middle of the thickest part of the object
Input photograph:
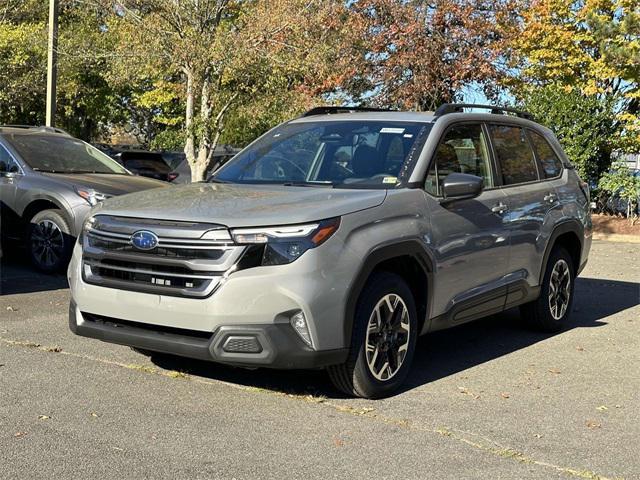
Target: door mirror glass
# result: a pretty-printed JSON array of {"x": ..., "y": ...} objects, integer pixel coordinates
[{"x": 460, "y": 186}]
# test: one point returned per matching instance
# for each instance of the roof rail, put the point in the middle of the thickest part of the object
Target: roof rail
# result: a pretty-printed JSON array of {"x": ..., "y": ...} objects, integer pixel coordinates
[
  {"x": 495, "y": 109},
  {"x": 36, "y": 127},
  {"x": 329, "y": 110}
]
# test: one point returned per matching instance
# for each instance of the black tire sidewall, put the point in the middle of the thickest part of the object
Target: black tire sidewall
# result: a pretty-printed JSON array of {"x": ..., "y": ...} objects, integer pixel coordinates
[
  {"x": 57, "y": 217},
  {"x": 379, "y": 285}
]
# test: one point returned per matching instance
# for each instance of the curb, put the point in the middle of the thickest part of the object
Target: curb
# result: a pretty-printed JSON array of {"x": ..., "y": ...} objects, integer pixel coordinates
[{"x": 616, "y": 237}]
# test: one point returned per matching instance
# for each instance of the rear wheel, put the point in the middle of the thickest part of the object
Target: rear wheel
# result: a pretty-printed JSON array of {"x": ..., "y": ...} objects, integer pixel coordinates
[
  {"x": 551, "y": 310},
  {"x": 383, "y": 339},
  {"x": 49, "y": 241}
]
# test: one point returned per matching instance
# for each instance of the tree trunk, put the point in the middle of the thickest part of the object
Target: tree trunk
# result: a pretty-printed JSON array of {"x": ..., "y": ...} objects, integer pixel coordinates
[{"x": 189, "y": 145}]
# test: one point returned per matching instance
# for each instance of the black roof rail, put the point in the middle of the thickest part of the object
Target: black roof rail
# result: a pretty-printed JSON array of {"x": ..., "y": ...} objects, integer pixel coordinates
[
  {"x": 495, "y": 109},
  {"x": 329, "y": 110},
  {"x": 36, "y": 127}
]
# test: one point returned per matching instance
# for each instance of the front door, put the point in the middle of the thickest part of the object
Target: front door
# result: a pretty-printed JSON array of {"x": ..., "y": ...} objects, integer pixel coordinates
[
  {"x": 469, "y": 238},
  {"x": 9, "y": 176}
]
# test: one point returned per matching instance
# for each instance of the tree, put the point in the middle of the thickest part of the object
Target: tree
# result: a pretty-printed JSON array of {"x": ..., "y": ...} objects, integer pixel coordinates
[
  {"x": 417, "y": 55},
  {"x": 584, "y": 124},
  {"x": 592, "y": 46},
  {"x": 223, "y": 54}
]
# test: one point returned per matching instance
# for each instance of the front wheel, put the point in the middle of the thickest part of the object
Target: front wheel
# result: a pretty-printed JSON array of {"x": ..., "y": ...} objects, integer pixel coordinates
[
  {"x": 383, "y": 339},
  {"x": 552, "y": 309},
  {"x": 49, "y": 241}
]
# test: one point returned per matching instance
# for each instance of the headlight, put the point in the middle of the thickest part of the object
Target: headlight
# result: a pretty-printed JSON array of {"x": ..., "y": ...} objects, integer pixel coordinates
[
  {"x": 86, "y": 226},
  {"x": 282, "y": 245},
  {"x": 91, "y": 196}
]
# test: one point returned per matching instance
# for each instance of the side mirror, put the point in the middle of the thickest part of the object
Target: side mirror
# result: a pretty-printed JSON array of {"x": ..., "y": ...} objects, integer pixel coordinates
[
  {"x": 8, "y": 174},
  {"x": 461, "y": 186}
]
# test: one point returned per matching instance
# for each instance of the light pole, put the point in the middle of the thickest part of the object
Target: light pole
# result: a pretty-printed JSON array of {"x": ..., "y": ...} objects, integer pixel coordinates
[{"x": 52, "y": 63}]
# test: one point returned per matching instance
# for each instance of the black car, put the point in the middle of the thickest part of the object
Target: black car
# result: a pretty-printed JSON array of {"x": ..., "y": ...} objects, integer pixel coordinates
[{"x": 146, "y": 164}]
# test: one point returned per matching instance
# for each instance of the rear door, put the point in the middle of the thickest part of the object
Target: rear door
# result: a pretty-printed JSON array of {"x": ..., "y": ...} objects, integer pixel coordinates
[
  {"x": 531, "y": 199},
  {"x": 469, "y": 237}
]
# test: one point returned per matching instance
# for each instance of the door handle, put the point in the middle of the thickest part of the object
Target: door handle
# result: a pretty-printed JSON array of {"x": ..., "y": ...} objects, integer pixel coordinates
[
  {"x": 550, "y": 197},
  {"x": 499, "y": 208}
]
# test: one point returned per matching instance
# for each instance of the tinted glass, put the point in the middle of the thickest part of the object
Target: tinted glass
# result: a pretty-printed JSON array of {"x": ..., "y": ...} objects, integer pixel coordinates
[
  {"x": 514, "y": 154},
  {"x": 59, "y": 154},
  {"x": 551, "y": 165},
  {"x": 463, "y": 150},
  {"x": 154, "y": 165},
  {"x": 7, "y": 164},
  {"x": 358, "y": 154}
]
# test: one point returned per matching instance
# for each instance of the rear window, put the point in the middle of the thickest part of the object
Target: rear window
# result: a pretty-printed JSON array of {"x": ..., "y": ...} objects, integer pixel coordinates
[
  {"x": 514, "y": 154},
  {"x": 551, "y": 164}
]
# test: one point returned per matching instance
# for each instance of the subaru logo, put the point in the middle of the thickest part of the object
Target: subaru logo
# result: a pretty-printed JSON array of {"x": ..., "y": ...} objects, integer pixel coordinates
[{"x": 144, "y": 240}]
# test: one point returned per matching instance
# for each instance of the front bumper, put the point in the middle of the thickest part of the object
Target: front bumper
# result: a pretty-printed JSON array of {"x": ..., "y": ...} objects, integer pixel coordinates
[{"x": 266, "y": 345}]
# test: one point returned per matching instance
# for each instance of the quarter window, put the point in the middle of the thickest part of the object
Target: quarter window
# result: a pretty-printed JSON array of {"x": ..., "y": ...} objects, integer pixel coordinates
[
  {"x": 551, "y": 164},
  {"x": 462, "y": 150},
  {"x": 7, "y": 164},
  {"x": 513, "y": 154}
]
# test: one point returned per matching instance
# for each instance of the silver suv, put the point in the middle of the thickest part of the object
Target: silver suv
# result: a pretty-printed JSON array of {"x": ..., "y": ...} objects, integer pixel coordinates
[
  {"x": 48, "y": 183},
  {"x": 337, "y": 238}
]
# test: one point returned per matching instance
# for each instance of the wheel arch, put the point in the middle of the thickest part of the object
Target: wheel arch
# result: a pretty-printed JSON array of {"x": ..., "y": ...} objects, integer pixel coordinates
[
  {"x": 570, "y": 235},
  {"x": 408, "y": 259}
]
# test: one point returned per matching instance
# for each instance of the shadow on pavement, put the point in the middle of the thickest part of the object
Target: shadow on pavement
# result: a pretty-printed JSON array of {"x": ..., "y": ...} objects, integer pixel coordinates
[
  {"x": 439, "y": 354},
  {"x": 18, "y": 276}
]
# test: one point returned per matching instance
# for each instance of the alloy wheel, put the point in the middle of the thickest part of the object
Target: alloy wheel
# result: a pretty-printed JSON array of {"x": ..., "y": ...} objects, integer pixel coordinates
[
  {"x": 47, "y": 243},
  {"x": 387, "y": 339},
  {"x": 559, "y": 289}
]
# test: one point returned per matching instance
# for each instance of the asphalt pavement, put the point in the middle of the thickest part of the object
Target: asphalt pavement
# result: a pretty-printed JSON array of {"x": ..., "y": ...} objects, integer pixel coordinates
[{"x": 485, "y": 400}]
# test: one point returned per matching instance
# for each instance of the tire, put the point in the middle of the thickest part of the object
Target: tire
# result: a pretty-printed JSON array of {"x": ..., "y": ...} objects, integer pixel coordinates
[
  {"x": 393, "y": 344},
  {"x": 551, "y": 311},
  {"x": 49, "y": 241}
]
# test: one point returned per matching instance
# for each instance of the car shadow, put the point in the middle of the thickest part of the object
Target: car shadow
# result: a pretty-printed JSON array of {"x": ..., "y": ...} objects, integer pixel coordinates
[
  {"x": 17, "y": 275},
  {"x": 440, "y": 354}
]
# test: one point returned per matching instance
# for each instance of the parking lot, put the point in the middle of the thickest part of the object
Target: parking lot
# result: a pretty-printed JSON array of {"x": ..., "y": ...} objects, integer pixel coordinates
[{"x": 485, "y": 400}]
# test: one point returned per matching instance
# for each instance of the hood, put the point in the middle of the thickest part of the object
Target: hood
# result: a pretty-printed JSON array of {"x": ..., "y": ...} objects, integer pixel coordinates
[
  {"x": 236, "y": 205},
  {"x": 110, "y": 184}
]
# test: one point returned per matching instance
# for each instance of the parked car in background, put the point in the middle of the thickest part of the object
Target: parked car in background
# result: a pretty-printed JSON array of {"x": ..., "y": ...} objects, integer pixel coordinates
[
  {"x": 178, "y": 162},
  {"x": 48, "y": 183},
  {"x": 336, "y": 239},
  {"x": 146, "y": 164}
]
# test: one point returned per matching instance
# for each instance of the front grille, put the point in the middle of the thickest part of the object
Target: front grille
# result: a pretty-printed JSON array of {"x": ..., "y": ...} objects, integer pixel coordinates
[{"x": 189, "y": 259}]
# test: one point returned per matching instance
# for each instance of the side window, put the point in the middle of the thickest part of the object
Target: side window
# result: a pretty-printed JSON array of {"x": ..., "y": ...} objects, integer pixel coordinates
[
  {"x": 6, "y": 162},
  {"x": 513, "y": 154},
  {"x": 462, "y": 150},
  {"x": 551, "y": 164}
]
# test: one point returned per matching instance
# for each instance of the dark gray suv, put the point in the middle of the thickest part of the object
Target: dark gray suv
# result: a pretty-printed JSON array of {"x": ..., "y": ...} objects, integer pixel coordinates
[
  {"x": 48, "y": 183},
  {"x": 337, "y": 238}
]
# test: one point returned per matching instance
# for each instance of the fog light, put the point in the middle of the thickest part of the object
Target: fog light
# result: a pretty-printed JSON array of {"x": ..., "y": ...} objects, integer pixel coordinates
[{"x": 299, "y": 323}]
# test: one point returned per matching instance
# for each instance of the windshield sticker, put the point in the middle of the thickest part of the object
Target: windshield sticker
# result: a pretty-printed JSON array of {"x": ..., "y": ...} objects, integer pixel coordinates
[
  {"x": 391, "y": 130},
  {"x": 390, "y": 180}
]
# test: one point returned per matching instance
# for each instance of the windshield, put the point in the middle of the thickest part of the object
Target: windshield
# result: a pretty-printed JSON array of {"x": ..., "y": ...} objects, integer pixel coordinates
[
  {"x": 60, "y": 154},
  {"x": 348, "y": 154}
]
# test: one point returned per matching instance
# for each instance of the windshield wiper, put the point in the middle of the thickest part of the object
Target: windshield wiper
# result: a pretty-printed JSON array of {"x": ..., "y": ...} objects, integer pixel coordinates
[{"x": 308, "y": 184}]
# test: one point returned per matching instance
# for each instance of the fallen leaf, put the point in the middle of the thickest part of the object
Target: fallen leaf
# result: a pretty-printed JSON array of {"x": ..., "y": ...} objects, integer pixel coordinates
[
  {"x": 504, "y": 395},
  {"x": 537, "y": 435},
  {"x": 94, "y": 414},
  {"x": 338, "y": 443},
  {"x": 554, "y": 370},
  {"x": 602, "y": 408},
  {"x": 19, "y": 434},
  {"x": 11, "y": 309},
  {"x": 592, "y": 424},
  {"x": 579, "y": 348},
  {"x": 55, "y": 349},
  {"x": 43, "y": 417}
]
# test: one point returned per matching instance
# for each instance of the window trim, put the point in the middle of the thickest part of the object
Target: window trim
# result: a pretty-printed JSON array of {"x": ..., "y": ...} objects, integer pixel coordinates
[
  {"x": 538, "y": 161},
  {"x": 497, "y": 163},
  {"x": 497, "y": 181}
]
